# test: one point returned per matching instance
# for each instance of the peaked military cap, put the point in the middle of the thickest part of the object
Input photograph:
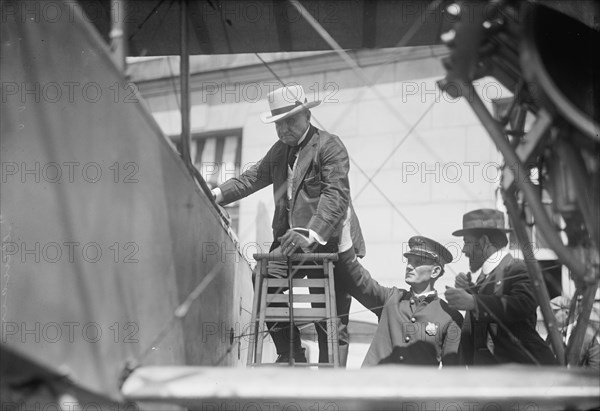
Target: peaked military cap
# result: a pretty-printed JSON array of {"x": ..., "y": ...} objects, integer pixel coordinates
[{"x": 426, "y": 247}]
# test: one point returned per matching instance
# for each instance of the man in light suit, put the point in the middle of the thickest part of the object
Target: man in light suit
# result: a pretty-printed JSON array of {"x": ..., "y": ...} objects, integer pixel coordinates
[
  {"x": 308, "y": 169},
  {"x": 499, "y": 325}
]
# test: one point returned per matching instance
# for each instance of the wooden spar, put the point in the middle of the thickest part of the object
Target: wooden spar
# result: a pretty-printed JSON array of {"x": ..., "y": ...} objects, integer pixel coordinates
[
  {"x": 389, "y": 387},
  {"x": 118, "y": 45},
  {"x": 575, "y": 343},
  {"x": 184, "y": 73},
  {"x": 535, "y": 274},
  {"x": 543, "y": 222}
]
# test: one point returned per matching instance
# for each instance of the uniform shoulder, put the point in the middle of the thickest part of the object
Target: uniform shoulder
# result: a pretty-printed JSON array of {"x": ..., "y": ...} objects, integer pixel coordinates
[
  {"x": 395, "y": 294},
  {"x": 399, "y": 291}
]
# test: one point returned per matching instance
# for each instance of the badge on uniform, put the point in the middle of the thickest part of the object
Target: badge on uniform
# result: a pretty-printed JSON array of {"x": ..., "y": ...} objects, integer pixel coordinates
[{"x": 431, "y": 329}]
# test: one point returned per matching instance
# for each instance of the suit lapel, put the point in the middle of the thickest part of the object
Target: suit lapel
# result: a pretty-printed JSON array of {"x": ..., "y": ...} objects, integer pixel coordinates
[
  {"x": 279, "y": 172},
  {"x": 496, "y": 277},
  {"x": 305, "y": 159}
]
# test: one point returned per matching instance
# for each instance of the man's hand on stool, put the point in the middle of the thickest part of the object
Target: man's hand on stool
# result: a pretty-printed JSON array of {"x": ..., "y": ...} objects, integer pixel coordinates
[{"x": 292, "y": 241}]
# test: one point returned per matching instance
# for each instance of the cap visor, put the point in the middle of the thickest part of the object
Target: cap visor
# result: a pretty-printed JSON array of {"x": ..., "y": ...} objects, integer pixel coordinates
[{"x": 406, "y": 254}]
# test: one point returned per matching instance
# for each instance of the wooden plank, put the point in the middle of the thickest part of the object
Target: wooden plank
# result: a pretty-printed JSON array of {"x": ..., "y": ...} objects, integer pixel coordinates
[
  {"x": 298, "y": 298},
  {"x": 506, "y": 387},
  {"x": 298, "y": 364},
  {"x": 298, "y": 282},
  {"x": 300, "y": 314},
  {"x": 297, "y": 257}
]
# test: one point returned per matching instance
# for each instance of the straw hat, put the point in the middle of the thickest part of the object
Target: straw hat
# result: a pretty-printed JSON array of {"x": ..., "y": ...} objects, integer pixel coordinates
[{"x": 285, "y": 102}]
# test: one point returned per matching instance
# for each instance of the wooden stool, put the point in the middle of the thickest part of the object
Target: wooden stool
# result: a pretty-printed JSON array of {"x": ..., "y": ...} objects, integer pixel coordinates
[{"x": 275, "y": 271}]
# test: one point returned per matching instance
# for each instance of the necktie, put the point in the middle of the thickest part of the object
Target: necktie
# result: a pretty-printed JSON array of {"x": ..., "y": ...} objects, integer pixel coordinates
[{"x": 292, "y": 152}]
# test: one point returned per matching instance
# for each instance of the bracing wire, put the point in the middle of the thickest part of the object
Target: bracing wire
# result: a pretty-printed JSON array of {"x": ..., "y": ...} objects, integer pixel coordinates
[
  {"x": 363, "y": 77},
  {"x": 180, "y": 312},
  {"x": 403, "y": 41},
  {"x": 279, "y": 327}
]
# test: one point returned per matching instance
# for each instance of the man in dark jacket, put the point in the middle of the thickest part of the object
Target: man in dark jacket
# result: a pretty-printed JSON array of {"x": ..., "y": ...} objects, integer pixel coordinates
[
  {"x": 308, "y": 169},
  {"x": 415, "y": 326},
  {"x": 500, "y": 321}
]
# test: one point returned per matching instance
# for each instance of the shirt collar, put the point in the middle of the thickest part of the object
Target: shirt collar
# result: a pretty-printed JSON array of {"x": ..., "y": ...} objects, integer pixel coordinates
[
  {"x": 493, "y": 261},
  {"x": 303, "y": 136},
  {"x": 425, "y": 297},
  {"x": 425, "y": 294}
]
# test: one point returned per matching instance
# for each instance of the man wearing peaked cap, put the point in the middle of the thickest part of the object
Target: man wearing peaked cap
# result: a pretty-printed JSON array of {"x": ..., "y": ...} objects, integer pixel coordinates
[
  {"x": 500, "y": 305},
  {"x": 308, "y": 170},
  {"x": 415, "y": 326}
]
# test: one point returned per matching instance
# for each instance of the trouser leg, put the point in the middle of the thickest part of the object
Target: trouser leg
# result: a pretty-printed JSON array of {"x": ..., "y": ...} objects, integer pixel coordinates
[
  {"x": 280, "y": 332},
  {"x": 343, "y": 301}
]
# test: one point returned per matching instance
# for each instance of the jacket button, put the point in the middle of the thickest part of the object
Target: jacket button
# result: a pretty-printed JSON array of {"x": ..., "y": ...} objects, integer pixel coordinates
[
  {"x": 407, "y": 338},
  {"x": 412, "y": 301},
  {"x": 401, "y": 358},
  {"x": 413, "y": 319}
]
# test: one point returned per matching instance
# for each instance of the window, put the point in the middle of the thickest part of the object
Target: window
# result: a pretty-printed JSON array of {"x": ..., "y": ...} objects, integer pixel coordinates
[{"x": 217, "y": 155}]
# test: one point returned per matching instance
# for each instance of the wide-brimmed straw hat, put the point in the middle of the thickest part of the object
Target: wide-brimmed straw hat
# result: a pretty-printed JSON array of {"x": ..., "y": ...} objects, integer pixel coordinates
[
  {"x": 482, "y": 219},
  {"x": 285, "y": 102}
]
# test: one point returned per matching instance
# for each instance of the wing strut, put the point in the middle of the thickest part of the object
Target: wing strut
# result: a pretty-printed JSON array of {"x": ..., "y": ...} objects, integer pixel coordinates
[{"x": 184, "y": 78}]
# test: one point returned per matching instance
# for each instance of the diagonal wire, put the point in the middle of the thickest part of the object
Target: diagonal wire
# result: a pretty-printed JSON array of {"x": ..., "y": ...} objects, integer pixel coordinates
[
  {"x": 384, "y": 162},
  {"x": 403, "y": 41},
  {"x": 277, "y": 327},
  {"x": 141, "y": 25},
  {"x": 269, "y": 68},
  {"x": 361, "y": 74},
  {"x": 181, "y": 311}
]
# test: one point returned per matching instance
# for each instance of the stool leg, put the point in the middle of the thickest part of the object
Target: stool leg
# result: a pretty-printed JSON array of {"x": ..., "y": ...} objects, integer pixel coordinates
[
  {"x": 332, "y": 313},
  {"x": 261, "y": 323},
  {"x": 290, "y": 274},
  {"x": 328, "y": 322},
  {"x": 254, "y": 327}
]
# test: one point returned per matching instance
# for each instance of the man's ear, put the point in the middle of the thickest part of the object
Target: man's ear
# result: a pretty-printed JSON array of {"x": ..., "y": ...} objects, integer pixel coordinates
[
  {"x": 487, "y": 246},
  {"x": 435, "y": 271},
  {"x": 484, "y": 240}
]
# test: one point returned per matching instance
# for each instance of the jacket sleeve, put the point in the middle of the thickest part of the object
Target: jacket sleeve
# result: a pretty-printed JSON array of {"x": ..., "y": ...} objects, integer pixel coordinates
[
  {"x": 592, "y": 354},
  {"x": 515, "y": 304},
  {"x": 361, "y": 285},
  {"x": 255, "y": 178},
  {"x": 452, "y": 337},
  {"x": 335, "y": 188}
]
